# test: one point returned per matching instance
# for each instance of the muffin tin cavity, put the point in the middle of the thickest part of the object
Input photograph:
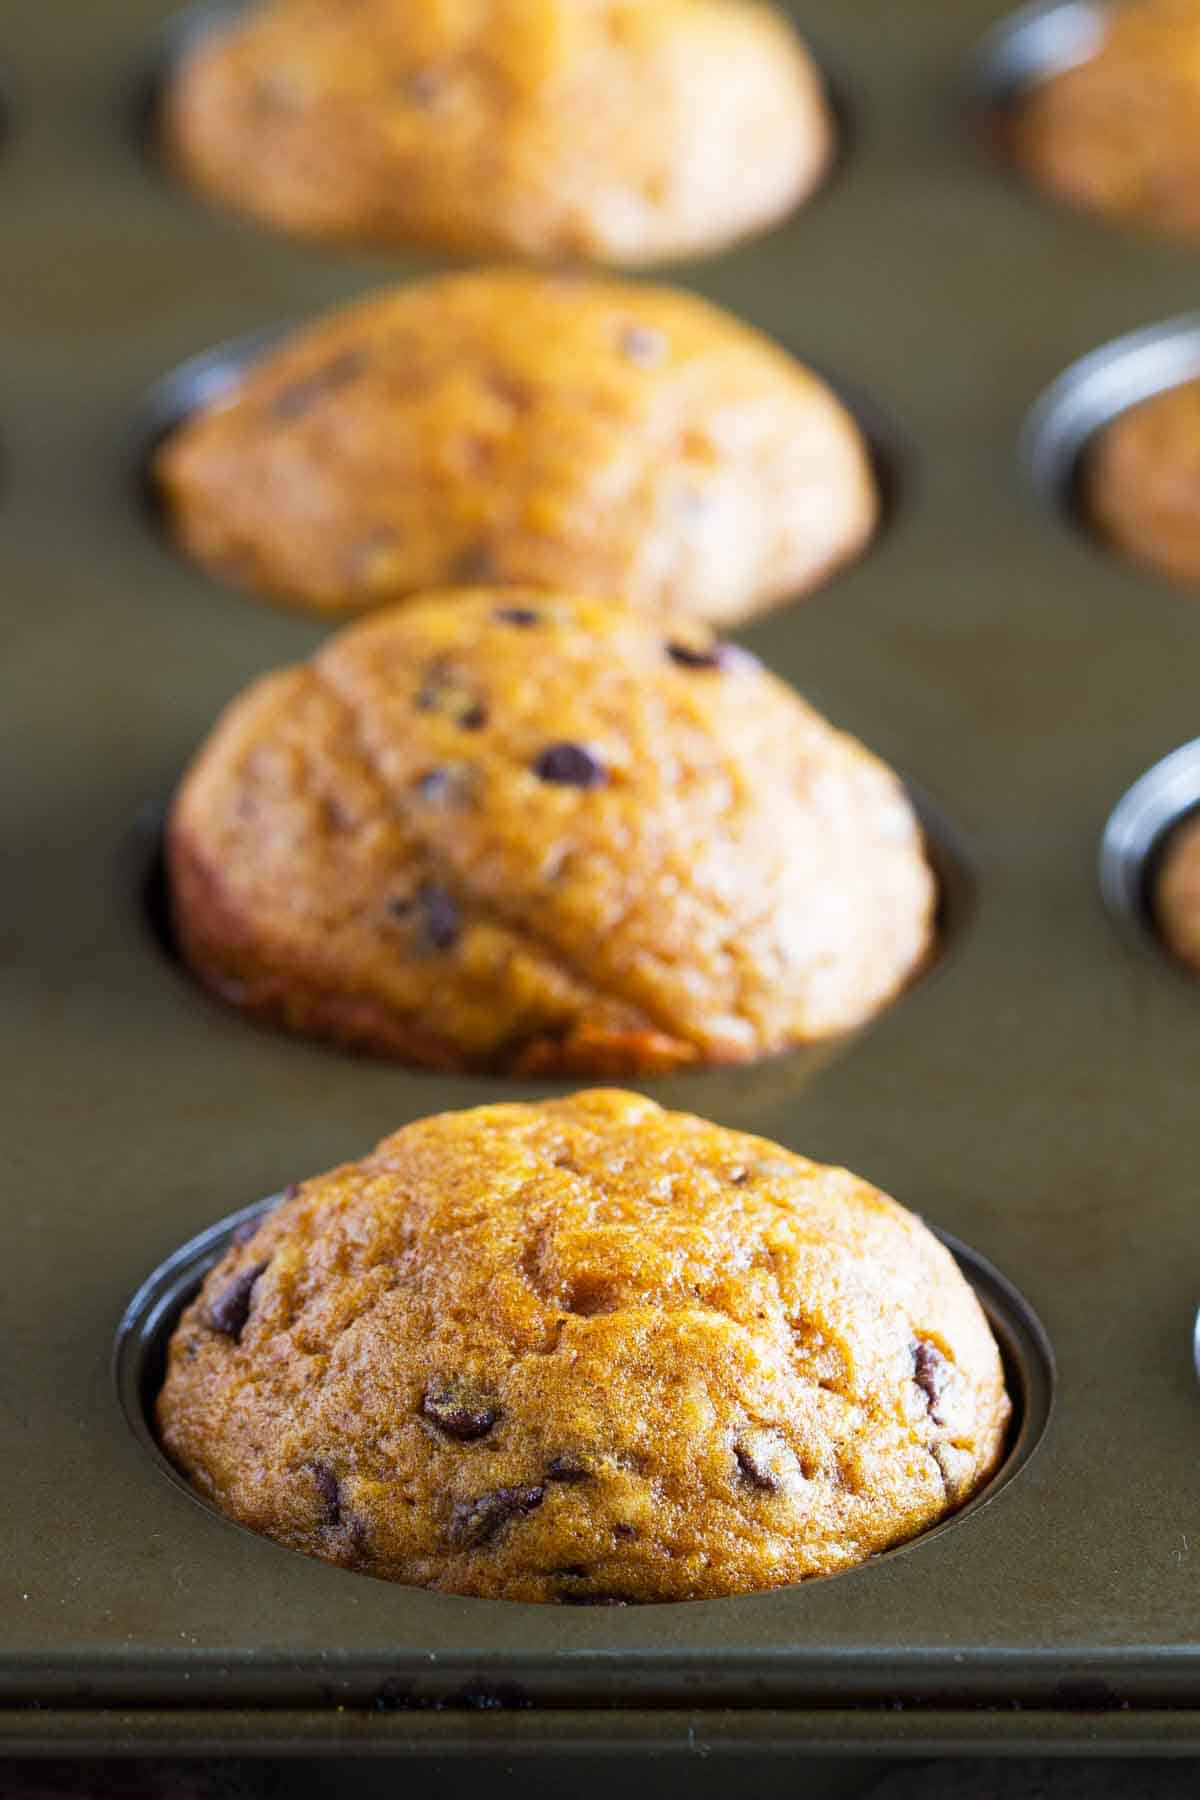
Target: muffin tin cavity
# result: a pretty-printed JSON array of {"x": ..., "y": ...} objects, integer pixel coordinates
[
  {"x": 1031, "y": 46},
  {"x": 139, "y": 1356},
  {"x": 1093, "y": 392},
  {"x": 1137, "y": 835},
  {"x": 213, "y": 374}
]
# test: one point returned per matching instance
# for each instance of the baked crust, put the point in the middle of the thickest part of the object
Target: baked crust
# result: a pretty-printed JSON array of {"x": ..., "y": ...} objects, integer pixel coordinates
[
  {"x": 508, "y": 426},
  {"x": 611, "y": 131},
  {"x": 504, "y": 830},
  {"x": 586, "y": 1352}
]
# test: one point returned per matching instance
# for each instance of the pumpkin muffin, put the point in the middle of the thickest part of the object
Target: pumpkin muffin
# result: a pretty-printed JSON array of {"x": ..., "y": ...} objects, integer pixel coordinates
[
  {"x": 1119, "y": 133},
  {"x": 586, "y": 1352},
  {"x": 512, "y": 426},
  {"x": 508, "y": 831},
  {"x": 610, "y": 131},
  {"x": 1177, "y": 903},
  {"x": 1141, "y": 480}
]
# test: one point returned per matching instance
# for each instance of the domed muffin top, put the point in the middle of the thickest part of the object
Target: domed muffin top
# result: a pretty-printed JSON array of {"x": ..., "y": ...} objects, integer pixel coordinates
[
  {"x": 621, "y": 131},
  {"x": 506, "y": 829},
  {"x": 504, "y": 425},
  {"x": 586, "y": 1351}
]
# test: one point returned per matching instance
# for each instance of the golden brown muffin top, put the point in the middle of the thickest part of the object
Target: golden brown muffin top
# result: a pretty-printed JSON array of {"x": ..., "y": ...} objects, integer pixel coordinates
[
  {"x": 601, "y": 436},
  {"x": 1119, "y": 133},
  {"x": 608, "y": 130},
  {"x": 586, "y": 1351},
  {"x": 1141, "y": 478},
  {"x": 503, "y": 818}
]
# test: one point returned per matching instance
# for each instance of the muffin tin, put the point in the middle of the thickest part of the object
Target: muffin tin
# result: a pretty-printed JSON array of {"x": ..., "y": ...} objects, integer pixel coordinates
[{"x": 1037, "y": 1099}]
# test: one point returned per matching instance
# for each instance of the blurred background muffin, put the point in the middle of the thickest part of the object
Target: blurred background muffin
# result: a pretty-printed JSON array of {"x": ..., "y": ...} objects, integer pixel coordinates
[
  {"x": 1177, "y": 896},
  {"x": 1140, "y": 484},
  {"x": 512, "y": 426},
  {"x": 508, "y": 830},
  {"x": 618, "y": 131},
  {"x": 1119, "y": 133}
]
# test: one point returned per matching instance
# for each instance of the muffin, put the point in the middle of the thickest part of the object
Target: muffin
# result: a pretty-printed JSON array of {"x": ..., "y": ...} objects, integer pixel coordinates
[
  {"x": 508, "y": 831},
  {"x": 506, "y": 425},
  {"x": 586, "y": 1352},
  {"x": 1141, "y": 479},
  {"x": 1119, "y": 133},
  {"x": 609, "y": 131},
  {"x": 1177, "y": 902}
]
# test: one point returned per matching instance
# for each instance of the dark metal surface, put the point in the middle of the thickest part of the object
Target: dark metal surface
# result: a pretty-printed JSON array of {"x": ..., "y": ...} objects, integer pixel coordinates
[{"x": 1037, "y": 1099}]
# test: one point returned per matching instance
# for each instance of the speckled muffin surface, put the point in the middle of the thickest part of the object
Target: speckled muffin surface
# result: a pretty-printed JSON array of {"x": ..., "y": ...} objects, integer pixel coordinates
[
  {"x": 506, "y": 425},
  {"x": 501, "y": 830},
  {"x": 586, "y": 1352},
  {"x": 619, "y": 131},
  {"x": 1119, "y": 134},
  {"x": 1177, "y": 900},
  {"x": 1141, "y": 480}
]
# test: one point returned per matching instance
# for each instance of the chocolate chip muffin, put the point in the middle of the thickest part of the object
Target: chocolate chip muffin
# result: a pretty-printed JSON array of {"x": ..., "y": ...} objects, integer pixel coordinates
[
  {"x": 512, "y": 426},
  {"x": 618, "y": 131},
  {"x": 1177, "y": 901},
  {"x": 509, "y": 831},
  {"x": 1141, "y": 479},
  {"x": 1119, "y": 133},
  {"x": 588, "y": 1352}
]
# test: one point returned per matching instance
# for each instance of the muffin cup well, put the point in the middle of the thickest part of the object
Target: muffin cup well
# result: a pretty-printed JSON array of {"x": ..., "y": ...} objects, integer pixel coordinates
[
  {"x": 1029, "y": 47},
  {"x": 140, "y": 1355},
  {"x": 1033, "y": 45},
  {"x": 1088, "y": 396},
  {"x": 1138, "y": 832}
]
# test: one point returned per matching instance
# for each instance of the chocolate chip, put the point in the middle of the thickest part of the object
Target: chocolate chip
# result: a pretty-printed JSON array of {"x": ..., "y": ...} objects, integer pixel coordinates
[
  {"x": 441, "y": 918},
  {"x": 230, "y": 1310},
  {"x": 714, "y": 656},
  {"x": 475, "y": 1523},
  {"x": 570, "y": 765},
  {"x": 751, "y": 1451},
  {"x": 930, "y": 1372},
  {"x": 444, "y": 693},
  {"x": 625, "y": 1531},
  {"x": 595, "y": 1600},
  {"x": 294, "y": 401},
  {"x": 645, "y": 346},
  {"x": 459, "y": 1410},
  {"x": 437, "y": 912},
  {"x": 567, "y": 1469},
  {"x": 517, "y": 615},
  {"x": 330, "y": 1491},
  {"x": 424, "y": 87}
]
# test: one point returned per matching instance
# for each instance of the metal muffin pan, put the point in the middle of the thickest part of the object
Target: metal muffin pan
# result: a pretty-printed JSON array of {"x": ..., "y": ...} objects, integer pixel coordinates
[
  {"x": 1037, "y": 1099},
  {"x": 1033, "y": 44}
]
